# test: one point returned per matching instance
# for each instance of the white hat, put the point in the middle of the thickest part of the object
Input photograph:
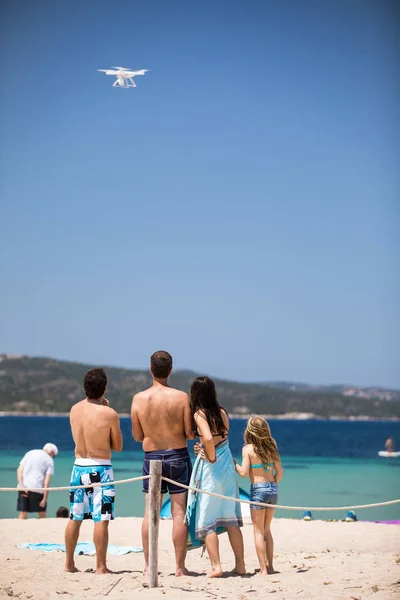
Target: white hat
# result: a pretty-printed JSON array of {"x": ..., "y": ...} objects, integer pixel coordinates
[{"x": 50, "y": 448}]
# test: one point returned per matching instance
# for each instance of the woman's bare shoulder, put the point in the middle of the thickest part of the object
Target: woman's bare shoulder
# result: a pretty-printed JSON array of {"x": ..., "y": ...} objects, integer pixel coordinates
[{"x": 199, "y": 413}]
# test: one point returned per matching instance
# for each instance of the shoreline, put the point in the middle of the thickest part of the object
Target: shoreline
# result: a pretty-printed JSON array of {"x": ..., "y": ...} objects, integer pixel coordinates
[{"x": 281, "y": 417}]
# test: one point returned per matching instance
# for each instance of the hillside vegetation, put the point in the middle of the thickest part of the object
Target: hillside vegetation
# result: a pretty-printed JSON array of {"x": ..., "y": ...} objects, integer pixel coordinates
[{"x": 29, "y": 384}]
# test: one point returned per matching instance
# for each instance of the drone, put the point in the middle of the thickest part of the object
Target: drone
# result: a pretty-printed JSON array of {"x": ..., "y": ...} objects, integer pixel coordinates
[{"x": 124, "y": 76}]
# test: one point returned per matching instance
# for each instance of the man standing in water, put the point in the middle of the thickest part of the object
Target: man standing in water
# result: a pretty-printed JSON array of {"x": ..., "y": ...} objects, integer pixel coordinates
[
  {"x": 96, "y": 431},
  {"x": 161, "y": 420}
]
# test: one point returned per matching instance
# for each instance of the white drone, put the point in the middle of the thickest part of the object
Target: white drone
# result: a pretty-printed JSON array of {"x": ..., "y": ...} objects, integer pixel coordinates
[{"x": 124, "y": 76}]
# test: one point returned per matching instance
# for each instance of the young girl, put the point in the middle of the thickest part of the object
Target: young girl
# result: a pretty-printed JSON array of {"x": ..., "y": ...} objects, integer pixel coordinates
[
  {"x": 213, "y": 471},
  {"x": 261, "y": 460}
]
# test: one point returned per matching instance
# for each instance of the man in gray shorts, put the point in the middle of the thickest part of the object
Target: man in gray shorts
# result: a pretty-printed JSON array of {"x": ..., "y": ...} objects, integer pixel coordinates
[{"x": 162, "y": 421}]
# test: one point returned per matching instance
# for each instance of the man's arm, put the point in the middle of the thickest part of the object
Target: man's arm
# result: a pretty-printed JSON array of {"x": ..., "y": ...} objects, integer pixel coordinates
[
  {"x": 137, "y": 431},
  {"x": 20, "y": 477},
  {"x": 46, "y": 484},
  {"x": 116, "y": 435},
  {"x": 187, "y": 420}
]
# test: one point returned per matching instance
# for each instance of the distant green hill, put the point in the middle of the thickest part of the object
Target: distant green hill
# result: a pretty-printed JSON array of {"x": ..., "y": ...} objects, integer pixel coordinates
[{"x": 29, "y": 384}]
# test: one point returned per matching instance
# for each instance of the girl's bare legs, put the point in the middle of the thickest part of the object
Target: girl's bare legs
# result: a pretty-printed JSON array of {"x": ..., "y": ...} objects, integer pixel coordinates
[
  {"x": 212, "y": 545},
  {"x": 236, "y": 541},
  {"x": 258, "y": 518},
  {"x": 269, "y": 540}
]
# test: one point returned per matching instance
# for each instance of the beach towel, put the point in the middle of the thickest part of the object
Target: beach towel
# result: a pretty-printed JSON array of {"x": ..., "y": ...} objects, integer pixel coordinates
[
  {"x": 206, "y": 514},
  {"x": 86, "y": 548}
]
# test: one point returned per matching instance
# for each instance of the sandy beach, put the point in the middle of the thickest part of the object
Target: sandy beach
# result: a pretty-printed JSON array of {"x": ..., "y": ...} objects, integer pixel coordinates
[{"x": 315, "y": 560}]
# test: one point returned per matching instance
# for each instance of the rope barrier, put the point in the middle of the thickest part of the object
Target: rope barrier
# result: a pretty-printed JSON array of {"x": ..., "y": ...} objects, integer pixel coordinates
[
  {"x": 197, "y": 490},
  {"x": 74, "y": 487},
  {"x": 189, "y": 487}
]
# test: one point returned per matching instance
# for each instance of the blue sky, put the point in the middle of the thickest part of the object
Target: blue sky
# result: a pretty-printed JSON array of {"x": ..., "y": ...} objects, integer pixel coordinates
[{"x": 239, "y": 208}]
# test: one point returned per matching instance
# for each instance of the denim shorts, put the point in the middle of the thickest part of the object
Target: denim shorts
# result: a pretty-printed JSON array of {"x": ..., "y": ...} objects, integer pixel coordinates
[
  {"x": 176, "y": 465},
  {"x": 263, "y": 492}
]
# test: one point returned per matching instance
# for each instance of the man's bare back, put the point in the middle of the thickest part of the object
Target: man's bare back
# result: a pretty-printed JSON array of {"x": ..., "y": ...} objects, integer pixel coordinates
[
  {"x": 95, "y": 429},
  {"x": 161, "y": 418},
  {"x": 162, "y": 421},
  {"x": 96, "y": 432}
]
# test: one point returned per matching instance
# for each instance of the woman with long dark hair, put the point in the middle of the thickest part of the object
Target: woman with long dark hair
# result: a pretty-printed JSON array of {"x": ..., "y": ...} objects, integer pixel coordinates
[{"x": 213, "y": 471}]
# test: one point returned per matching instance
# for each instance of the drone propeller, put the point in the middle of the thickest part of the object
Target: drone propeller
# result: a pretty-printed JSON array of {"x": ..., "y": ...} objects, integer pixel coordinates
[{"x": 141, "y": 72}]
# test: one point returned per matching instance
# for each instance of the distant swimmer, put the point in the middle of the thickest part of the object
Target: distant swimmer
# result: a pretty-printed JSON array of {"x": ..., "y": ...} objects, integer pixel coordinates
[
  {"x": 389, "y": 445},
  {"x": 34, "y": 472},
  {"x": 96, "y": 431}
]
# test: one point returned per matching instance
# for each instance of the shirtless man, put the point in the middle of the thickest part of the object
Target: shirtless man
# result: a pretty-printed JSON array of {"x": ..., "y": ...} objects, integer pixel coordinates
[
  {"x": 96, "y": 432},
  {"x": 161, "y": 419}
]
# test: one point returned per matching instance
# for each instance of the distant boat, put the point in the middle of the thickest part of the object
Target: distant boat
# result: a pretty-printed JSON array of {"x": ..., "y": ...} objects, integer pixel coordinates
[
  {"x": 387, "y": 454},
  {"x": 165, "y": 512}
]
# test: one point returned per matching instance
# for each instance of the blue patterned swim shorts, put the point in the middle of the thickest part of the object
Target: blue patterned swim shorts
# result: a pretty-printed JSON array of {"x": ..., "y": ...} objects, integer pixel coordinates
[{"x": 95, "y": 503}]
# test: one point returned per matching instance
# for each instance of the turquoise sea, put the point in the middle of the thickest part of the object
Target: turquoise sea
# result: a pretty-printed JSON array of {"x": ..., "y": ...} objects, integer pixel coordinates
[{"x": 326, "y": 463}]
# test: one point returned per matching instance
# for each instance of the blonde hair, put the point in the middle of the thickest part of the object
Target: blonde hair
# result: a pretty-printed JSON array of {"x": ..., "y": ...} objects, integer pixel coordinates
[{"x": 259, "y": 435}]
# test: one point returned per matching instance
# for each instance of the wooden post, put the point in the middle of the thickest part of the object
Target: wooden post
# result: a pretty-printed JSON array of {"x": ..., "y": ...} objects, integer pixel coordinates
[{"x": 154, "y": 520}]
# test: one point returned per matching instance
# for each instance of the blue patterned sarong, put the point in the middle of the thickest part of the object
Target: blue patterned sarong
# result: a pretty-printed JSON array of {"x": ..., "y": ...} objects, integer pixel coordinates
[{"x": 206, "y": 514}]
